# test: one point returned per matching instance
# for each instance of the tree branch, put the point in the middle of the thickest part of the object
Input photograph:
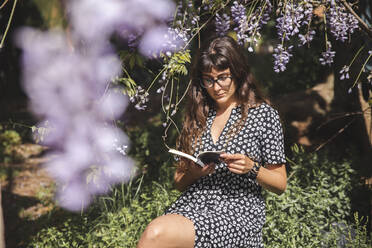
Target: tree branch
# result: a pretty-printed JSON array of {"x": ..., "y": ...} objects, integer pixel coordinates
[{"x": 362, "y": 24}]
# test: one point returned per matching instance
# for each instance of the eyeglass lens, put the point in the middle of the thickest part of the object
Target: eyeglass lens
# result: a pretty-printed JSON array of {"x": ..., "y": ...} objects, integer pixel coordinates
[{"x": 223, "y": 81}]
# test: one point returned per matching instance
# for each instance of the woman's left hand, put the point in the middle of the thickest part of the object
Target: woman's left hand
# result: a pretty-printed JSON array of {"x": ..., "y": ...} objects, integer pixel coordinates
[{"x": 237, "y": 163}]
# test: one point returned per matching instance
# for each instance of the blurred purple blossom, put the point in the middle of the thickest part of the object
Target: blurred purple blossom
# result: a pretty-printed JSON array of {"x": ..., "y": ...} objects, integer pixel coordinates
[
  {"x": 133, "y": 41},
  {"x": 67, "y": 88},
  {"x": 67, "y": 83},
  {"x": 342, "y": 24},
  {"x": 327, "y": 56},
  {"x": 162, "y": 40},
  {"x": 94, "y": 19},
  {"x": 281, "y": 57},
  {"x": 131, "y": 19},
  {"x": 344, "y": 72},
  {"x": 113, "y": 15}
]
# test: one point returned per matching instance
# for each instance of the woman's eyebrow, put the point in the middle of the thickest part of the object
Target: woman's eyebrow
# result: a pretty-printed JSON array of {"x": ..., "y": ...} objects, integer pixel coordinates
[{"x": 218, "y": 75}]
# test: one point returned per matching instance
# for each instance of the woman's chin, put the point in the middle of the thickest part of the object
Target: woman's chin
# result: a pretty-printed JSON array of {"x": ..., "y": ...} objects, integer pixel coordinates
[{"x": 221, "y": 101}]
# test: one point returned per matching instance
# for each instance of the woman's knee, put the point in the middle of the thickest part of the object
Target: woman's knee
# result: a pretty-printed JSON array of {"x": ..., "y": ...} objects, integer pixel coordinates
[
  {"x": 168, "y": 231},
  {"x": 155, "y": 231}
]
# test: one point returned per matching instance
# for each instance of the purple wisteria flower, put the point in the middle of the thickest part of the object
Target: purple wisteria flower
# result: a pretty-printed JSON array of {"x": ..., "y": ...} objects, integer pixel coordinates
[
  {"x": 342, "y": 24},
  {"x": 281, "y": 57},
  {"x": 327, "y": 56},
  {"x": 222, "y": 24},
  {"x": 140, "y": 98},
  {"x": 162, "y": 40},
  {"x": 239, "y": 15},
  {"x": 308, "y": 12},
  {"x": 67, "y": 84},
  {"x": 290, "y": 20},
  {"x": 306, "y": 38},
  {"x": 344, "y": 72},
  {"x": 133, "y": 41},
  {"x": 248, "y": 28},
  {"x": 187, "y": 18},
  {"x": 141, "y": 16},
  {"x": 67, "y": 88}
]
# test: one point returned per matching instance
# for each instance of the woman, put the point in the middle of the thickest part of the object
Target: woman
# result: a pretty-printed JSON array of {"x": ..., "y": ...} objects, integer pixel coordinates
[{"x": 222, "y": 205}]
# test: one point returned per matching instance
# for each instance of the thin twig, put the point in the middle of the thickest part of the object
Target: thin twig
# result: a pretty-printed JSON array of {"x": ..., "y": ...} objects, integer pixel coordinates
[
  {"x": 8, "y": 25},
  {"x": 335, "y": 135},
  {"x": 363, "y": 25},
  {"x": 204, "y": 24},
  {"x": 342, "y": 116},
  {"x": 2, "y": 6}
]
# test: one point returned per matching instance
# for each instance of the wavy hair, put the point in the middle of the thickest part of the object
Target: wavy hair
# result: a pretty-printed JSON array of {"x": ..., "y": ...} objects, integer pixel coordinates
[{"x": 219, "y": 53}]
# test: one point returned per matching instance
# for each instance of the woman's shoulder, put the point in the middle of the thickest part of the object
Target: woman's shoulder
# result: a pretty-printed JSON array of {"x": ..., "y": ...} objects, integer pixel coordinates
[{"x": 264, "y": 109}]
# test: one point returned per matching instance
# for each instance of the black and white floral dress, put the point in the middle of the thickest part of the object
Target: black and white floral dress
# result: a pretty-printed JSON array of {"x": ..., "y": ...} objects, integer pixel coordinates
[{"x": 228, "y": 209}]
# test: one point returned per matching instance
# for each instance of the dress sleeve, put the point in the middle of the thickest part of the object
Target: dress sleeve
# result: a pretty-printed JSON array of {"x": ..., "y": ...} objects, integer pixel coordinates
[{"x": 272, "y": 141}]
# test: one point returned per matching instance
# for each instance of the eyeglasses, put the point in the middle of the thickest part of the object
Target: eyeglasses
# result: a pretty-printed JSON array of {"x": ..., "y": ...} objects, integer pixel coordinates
[{"x": 223, "y": 81}]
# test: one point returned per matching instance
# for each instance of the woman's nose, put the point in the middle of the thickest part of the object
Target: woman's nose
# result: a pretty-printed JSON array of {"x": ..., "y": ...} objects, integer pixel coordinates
[{"x": 216, "y": 86}]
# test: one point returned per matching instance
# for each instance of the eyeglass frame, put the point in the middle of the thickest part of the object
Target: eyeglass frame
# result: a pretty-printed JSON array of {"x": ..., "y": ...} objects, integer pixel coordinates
[{"x": 213, "y": 81}]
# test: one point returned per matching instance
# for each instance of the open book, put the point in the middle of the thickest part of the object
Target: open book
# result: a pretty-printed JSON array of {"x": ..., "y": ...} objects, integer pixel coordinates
[{"x": 202, "y": 158}]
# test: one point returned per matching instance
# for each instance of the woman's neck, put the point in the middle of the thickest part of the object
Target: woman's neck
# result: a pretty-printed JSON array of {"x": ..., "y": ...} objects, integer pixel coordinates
[{"x": 222, "y": 108}]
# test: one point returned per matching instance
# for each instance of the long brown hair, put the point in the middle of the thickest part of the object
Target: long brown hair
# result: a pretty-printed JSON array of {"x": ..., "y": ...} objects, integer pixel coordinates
[{"x": 219, "y": 53}]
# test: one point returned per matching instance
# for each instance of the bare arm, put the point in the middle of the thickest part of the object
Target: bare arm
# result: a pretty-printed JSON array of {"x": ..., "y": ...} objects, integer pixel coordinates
[{"x": 272, "y": 178}]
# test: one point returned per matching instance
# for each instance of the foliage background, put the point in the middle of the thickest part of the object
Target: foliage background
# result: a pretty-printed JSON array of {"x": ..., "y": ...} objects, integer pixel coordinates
[{"x": 324, "y": 189}]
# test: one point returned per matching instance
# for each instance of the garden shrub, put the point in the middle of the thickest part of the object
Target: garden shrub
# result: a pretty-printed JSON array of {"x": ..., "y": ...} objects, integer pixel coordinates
[{"x": 317, "y": 197}]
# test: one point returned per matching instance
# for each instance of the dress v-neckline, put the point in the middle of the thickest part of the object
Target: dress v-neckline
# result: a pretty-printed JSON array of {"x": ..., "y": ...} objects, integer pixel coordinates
[{"x": 215, "y": 143}]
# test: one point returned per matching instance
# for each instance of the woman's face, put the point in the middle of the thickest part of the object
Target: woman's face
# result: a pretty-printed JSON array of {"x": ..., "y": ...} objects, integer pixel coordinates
[{"x": 223, "y": 90}]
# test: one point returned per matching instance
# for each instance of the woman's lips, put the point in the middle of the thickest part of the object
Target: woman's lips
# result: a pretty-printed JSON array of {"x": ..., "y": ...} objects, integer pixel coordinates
[{"x": 219, "y": 95}]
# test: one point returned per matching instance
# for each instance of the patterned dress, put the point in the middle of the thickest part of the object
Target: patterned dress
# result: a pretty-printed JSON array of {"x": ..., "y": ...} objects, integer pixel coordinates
[{"x": 228, "y": 209}]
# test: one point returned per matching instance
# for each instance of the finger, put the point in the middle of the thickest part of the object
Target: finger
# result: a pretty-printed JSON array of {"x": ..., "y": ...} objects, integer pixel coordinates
[
  {"x": 235, "y": 171},
  {"x": 232, "y": 156},
  {"x": 237, "y": 167},
  {"x": 236, "y": 162}
]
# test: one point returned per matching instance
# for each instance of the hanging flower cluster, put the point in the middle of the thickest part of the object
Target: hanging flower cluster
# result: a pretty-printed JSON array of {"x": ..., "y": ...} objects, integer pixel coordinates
[
  {"x": 67, "y": 78},
  {"x": 281, "y": 57},
  {"x": 248, "y": 28},
  {"x": 295, "y": 16},
  {"x": 328, "y": 55},
  {"x": 342, "y": 24},
  {"x": 222, "y": 24}
]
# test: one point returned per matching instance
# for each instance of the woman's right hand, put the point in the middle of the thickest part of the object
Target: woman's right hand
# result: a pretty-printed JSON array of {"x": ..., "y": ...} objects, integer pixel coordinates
[
  {"x": 183, "y": 179},
  {"x": 197, "y": 171}
]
